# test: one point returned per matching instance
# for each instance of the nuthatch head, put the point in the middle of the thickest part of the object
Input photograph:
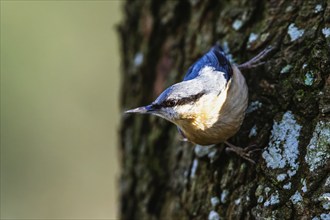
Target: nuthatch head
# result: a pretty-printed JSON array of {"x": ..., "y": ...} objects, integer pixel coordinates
[{"x": 208, "y": 106}]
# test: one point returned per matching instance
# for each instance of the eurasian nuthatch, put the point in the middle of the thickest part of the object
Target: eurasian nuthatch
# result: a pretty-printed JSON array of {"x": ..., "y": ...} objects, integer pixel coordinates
[{"x": 209, "y": 105}]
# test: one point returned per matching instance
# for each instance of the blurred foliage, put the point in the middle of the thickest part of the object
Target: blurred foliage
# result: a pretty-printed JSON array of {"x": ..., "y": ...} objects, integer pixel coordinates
[{"x": 59, "y": 109}]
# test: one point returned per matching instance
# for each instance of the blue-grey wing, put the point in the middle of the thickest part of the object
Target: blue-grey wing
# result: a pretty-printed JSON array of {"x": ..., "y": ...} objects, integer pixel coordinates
[{"x": 215, "y": 58}]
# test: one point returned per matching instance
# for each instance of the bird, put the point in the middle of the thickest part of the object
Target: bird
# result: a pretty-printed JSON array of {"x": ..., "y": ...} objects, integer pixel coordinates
[{"x": 209, "y": 105}]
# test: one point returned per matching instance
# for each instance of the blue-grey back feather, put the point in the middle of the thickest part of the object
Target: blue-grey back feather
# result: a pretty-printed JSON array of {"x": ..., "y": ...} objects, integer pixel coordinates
[{"x": 215, "y": 58}]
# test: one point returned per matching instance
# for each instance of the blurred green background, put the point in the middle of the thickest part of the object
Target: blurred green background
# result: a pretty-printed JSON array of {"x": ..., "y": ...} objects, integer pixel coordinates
[{"x": 59, "y": 109}]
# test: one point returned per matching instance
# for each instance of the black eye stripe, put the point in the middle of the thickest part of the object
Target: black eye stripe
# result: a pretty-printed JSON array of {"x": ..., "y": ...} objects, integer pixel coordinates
[
  {"x": 175, "y": 102},
  {"x": 156, "y": 106}
]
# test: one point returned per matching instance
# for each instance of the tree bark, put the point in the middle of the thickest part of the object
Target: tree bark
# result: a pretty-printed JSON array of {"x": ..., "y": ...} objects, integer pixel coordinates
[{"x": 288, "y": 114}]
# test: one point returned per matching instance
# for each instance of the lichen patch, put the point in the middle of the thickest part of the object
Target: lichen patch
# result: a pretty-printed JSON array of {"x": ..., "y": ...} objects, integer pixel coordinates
[
  {"x": 326, "y": 32},
  {"x": 286, "y": 69},
  {"x": 304, "y": 187},
  {"x": 253, "y": 131},
  {"x": 318, "y": 8},
  {"x": 213, "y": 215},
  {"x": 325, "y": 200},
  {"x": 318, "y": 149},
  {"x": 224, "y": 196},
  {"x": 274, "y": 199},
  {"x": 294, "y": 32},
  {"x": 309, "y": 78},
  {"x": 295, "y": 198},
  {"x": 281, "y": 177},
  {"x": 253, "y": 106},
  {"x": 215, "y": 201},
  {"x": 138, "y": 59},
  {"x": 194, "y": 168},
  {"x": 237, "y": 24},
  {"x": 283, "y": 150},
  {"x": 287, "y": 186}
]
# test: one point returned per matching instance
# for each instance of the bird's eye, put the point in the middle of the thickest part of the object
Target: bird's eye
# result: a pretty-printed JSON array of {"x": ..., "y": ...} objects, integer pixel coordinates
[{"x": 169, "y": 103}]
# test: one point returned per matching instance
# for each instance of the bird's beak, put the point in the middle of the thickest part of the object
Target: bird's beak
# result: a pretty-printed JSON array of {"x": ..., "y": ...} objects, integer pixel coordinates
[{"x": 141, "y": 110}]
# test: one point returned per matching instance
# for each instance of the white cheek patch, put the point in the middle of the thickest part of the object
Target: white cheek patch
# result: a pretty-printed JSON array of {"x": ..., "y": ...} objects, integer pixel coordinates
[{"x": 186, "y": 108}]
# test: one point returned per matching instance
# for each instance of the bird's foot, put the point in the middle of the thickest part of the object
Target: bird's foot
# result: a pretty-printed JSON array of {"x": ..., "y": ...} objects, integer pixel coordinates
[
  {"x": 245, "y": 153},
  {"x": 256, "y": 61}
]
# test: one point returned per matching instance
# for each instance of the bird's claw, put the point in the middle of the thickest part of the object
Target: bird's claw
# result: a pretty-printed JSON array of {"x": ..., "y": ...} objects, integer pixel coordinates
[
  {"x": 256, "y": 61},
  {"x": 245, "y": 153}
]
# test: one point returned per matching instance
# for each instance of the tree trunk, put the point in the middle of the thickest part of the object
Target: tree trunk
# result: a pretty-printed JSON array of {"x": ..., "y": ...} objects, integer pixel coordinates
[{"x": 288, "y": 114}]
